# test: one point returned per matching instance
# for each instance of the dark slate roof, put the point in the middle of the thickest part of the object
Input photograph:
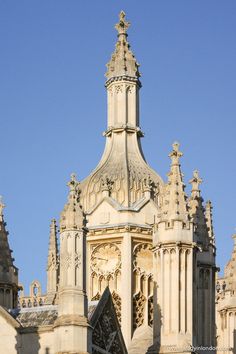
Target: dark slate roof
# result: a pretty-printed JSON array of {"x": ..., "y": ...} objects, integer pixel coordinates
[
  {"x": 43, "y": 315},
  {"x": 36, "y": 316}
]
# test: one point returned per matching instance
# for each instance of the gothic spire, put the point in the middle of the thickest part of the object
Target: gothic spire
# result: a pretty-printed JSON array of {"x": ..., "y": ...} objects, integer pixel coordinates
[
  {"x": 123, "y": 62},
  {"x": 53, "y": 247},
  {"x": 8, "y": 272},
  {"x": 72, "y": 215},
  {"x": 195, "y": 200},
  {"x": 195, "y": 182},
  {"x": 52, "y": 264},
  {"x": 197, "y": 210},
  {"x": 175, "y": 206},
  {"x": 209, "y": 221},
  {"x": 6, "y": 259}
]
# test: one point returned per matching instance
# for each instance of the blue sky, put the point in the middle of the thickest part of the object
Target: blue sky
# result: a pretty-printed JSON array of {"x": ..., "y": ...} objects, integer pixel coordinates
[{"x": 53, "y": 105}]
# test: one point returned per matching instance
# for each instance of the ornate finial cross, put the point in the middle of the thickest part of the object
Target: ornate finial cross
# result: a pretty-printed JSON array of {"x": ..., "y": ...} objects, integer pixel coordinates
[
  {"x": 72, "y": 183},
  {"x": 123, "y": 25},
  {"x": 2, "y": 206},
  {"x": 175, "y": 154},
  {"x": 195, "y": 181}
]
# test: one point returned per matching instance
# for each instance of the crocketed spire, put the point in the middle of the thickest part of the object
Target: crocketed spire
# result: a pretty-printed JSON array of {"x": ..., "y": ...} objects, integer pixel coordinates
[
  {"x": 197, "y": 210},
  {"x": 175, "y": 205},
  {"x": 209, "y": 221},
  {"x": 8, "y": 272},
  {"x": 53, "y": 247},
  {"x": 72, "y": 214},
  {"x": 195, "y": 182},
  {"x": 52, "y": 265},
  {"x": 195, "y": 200},
  {"x": 6, "y": 259},
  {"x": 123, "y": 62}
]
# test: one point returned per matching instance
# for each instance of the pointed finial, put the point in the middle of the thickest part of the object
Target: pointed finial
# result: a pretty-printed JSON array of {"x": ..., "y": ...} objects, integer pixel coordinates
[
  {"x": 122, "y": 25},
  {"x": 175, "y": 154},
  {"x": 2, "y": 206},
  {"x": 195, "y": 181},
  {"x": 73, "y": 177},
  {"x": 72, "y": 183},
  {"x": 53, "y": 223}
]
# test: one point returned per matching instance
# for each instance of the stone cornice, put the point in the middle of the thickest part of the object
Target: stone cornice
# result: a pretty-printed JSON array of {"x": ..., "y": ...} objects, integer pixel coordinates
[
  {"x": 120, "y": 228},
  {"x": 68, "y": 320},
  {"x": 172, "y": 244},
  {"x": 122, "y": 128},
  {"x": 125, "y": 78}
]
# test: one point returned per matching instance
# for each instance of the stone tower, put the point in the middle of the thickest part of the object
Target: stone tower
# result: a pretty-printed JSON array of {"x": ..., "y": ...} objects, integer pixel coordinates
[
  {"x": 72, "y": 331},
  {"x": 8, "y": 272},
  {"x": 120, "y": 199},
  {"x": 184, "y": 266}
]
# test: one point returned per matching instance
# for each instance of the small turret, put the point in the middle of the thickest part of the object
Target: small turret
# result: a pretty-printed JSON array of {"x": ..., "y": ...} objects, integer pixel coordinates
[{"x": 8, "y": 272}]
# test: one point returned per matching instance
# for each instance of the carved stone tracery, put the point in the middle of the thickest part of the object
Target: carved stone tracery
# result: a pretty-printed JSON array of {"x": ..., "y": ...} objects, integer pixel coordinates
[
  {"x": 139, "y": 301},
  {"x": 77, "y": 260},
  {"x": 150, "y": 311},
  {"x": 105, "y": 334},
  {"x": 117, "y": 304},
  {"x": 66, "y": 259}
]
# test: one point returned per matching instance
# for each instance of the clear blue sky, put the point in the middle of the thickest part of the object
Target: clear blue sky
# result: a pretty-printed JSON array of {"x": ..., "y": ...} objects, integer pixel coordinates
[{"x": 53, "y": 105}]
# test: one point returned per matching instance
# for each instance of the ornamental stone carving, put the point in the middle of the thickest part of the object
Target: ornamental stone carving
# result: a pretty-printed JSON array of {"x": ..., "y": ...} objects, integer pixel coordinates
[
  {"x": 117, "y": 304},
  {"x": 66, "y": 260},
  {"x": 139, "y": 301},
  {"x": 77, "y": 260},
  {"x": 52, "y": 262}
]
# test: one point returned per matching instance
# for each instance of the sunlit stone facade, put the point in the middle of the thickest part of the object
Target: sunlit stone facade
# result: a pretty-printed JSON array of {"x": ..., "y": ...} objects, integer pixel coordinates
[{"x": 135, "y": 270}]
